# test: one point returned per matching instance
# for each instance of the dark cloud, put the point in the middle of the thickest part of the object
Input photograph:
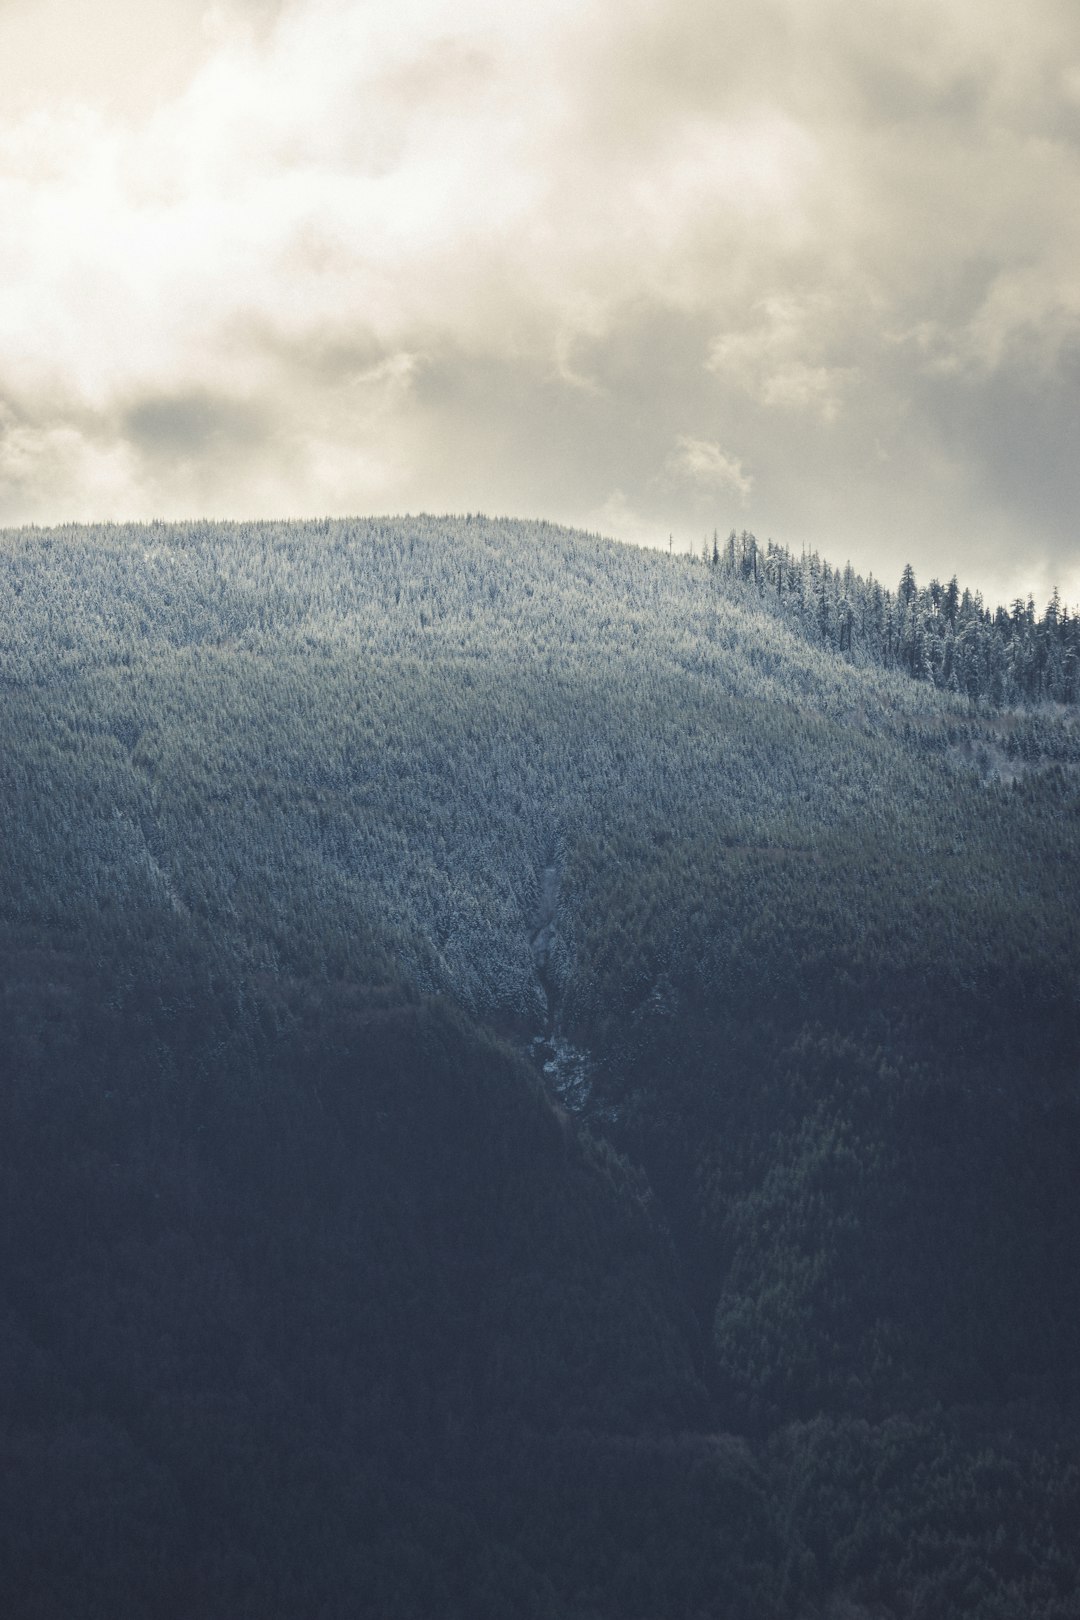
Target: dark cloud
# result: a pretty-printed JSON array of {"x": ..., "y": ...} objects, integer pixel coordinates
[{"x": 194, "y": 425}]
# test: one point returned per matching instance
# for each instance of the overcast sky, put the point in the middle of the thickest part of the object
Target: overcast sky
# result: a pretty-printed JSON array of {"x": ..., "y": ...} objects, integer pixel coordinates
[{"x": 807, "y": 267}]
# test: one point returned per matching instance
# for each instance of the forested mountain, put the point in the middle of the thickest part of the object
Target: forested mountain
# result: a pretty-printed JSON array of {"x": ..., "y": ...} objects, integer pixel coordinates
[{"x": 540, "y": 1078}]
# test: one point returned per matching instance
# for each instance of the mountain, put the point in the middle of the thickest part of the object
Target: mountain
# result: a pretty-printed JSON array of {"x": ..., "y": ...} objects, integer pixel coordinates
[{"x": 539, "y": 1080}]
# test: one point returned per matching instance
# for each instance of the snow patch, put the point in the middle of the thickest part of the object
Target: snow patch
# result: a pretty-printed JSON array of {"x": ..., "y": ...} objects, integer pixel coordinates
[{"x": 567, "y": 1069}]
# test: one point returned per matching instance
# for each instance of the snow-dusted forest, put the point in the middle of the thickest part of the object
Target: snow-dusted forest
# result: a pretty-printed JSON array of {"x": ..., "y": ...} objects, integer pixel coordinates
[
  {"x": 944, "y": 634},
  {"x": 321, "y": 740}
]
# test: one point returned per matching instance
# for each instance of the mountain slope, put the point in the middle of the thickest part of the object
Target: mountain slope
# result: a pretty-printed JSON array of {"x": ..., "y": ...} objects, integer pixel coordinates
[{"x": 799, "y": 943}]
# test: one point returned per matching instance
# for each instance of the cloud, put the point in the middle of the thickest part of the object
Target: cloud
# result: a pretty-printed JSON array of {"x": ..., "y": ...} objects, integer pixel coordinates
[
  {"x": 193, "y": 424},
  {"x": 616, "y": 516},
  {"x": 563, "y": 259},
  {"x": 707, "y": 464},
  {"x": 780, "y": 356}
]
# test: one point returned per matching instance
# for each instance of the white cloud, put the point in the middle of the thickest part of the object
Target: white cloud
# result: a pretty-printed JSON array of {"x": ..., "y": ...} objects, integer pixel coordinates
[
  {"x": 779, "y": 357},
  {"x": 460, "y": 252},
  {"x": 618, "y": 519},
  {"x": 705, "y": 463}
]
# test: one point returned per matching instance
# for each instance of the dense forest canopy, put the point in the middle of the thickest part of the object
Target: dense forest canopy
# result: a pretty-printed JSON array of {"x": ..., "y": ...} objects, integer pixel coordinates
[
  {"x": 541, "y": 1078},
  {"x": 314, "y": 736}
]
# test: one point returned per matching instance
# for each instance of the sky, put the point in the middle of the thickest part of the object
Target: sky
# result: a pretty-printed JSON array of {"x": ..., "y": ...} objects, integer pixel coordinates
[{"x": 648, "y": 267}]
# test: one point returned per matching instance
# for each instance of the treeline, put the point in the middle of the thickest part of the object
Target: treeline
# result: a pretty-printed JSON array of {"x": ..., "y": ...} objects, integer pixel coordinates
[{"x": 944, "y": 634}]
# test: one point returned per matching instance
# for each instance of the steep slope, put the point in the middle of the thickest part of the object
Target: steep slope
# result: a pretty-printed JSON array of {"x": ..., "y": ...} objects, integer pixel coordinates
[{"x": 282, "y": 1269}]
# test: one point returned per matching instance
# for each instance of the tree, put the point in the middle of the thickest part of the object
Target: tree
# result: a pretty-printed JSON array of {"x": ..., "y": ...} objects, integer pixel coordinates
[
  {"x": 907, "y": 590},
  {"x": 952, "y": 599}
]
